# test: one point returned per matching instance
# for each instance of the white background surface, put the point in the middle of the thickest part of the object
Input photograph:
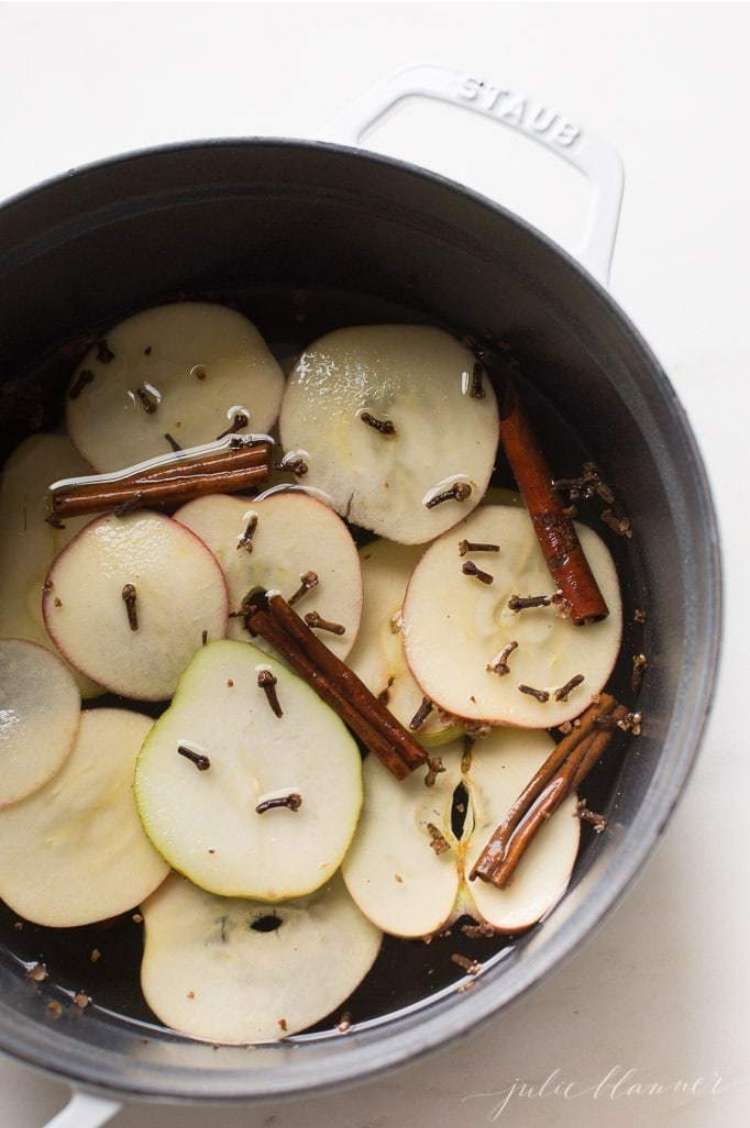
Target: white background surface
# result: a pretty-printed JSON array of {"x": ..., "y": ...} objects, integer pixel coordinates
[{"x": 664, "y": 987}]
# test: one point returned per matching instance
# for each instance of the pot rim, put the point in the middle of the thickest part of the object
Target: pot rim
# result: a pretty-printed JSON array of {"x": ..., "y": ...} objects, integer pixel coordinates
[{"x": 430, "y": 1028}]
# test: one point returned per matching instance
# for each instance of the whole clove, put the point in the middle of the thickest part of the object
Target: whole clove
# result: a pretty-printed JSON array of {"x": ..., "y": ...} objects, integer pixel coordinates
[
  {"x": 564, "y": 691},
  {"x": 267, "y": 681},
  {"x": 499, "y": 664},
  {"x": 201, "y": 762},
  {"x": 469, "y": 568},
  {"x": 459, "y": 491},
  {"x": 384, "y": 426},
  {"x": 522, "y": 602},
  {"x": 540, "y": 694},
  {"x": 129, "y": 599},
  {"x": 307, "y": 582},
  {"x": 466, "y": 546},
  {"x": 317, "y": 622},
  {"x": 421, "y": 714},
  {"x": 292, "y": 801}
]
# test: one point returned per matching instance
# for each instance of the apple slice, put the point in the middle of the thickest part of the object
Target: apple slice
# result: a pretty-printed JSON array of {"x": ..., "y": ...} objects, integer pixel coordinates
[
  {"x": 378, "y": 656},
  {"x": 38, "y": 718},
  {"x": 259, "y": 746},
  {"x": 185, "y": 370},
  {"x": 129, "y": 599},
  {"x": 74, "y": 852},
  {"x": 236, "y": 972},
  {"x": 455, "y": 626},
  {"x": 28, "y": 544},
  {"x": 403, "y": 866},
  {"x": 388, "y": 418},
  {"x": 502, "y": 765},
  {"x": 272, "y": 543}
]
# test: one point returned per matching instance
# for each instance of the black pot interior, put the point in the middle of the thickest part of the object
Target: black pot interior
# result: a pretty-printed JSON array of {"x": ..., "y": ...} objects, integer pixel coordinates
[{"x": 304, "y": 239}]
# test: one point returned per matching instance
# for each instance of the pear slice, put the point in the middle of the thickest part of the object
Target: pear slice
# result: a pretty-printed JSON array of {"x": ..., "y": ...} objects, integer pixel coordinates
[
  {"x": 183, "y": 370},
  {"x": 502, "y": 764},
  {"x": 426, "y": 432},
  {"x": 179, "y": 592},
  {"x": 403, "y": 866},
  {"x": 454, "y": 626},
  {"x": 232, "y": 971},
  {"x": 206, "y": 823},
  {"x": 39, "y": 717},
  {"x": 378, "y": 656},
  {"x": 74, "y": 852},
  {"x": 272, "y": 543},
  {"x": 28, "y": 543}
]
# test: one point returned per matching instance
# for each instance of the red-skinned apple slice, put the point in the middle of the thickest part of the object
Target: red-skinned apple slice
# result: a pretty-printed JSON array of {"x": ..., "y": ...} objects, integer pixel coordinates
[
  {"x": 455, "y": 626},
  {"x": 220, "y": 825},
  {"x": 39, "y": 717},
  {"x": 74, "y": 852},
  {"x": 272, "y": 543},
  {"x": 28, "y": 543},
  {"x": 234, "y": 971},
  {"x": 128, "y": 601},
  {"x": 184, "y": 370},
  {"x": 403, "y": 868},
  {"x": 502, "y": 765},
  {"x": 393, "y": 417},
  {"x": 378, "y": 656}
]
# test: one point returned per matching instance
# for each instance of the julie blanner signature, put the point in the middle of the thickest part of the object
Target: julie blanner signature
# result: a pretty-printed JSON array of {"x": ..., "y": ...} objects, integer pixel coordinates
[{"x": 618, "y": 1084}]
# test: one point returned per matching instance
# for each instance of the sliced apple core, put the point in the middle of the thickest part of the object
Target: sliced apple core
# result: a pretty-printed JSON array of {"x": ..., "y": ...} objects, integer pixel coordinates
[
  {"x": 206, "y": 823},
  {"x": 388, "y": 418},
  {"x": 233, "y": 971},
  {"x": 39, "y": 713},
  {"x": 403, "y": 866},
  {"x": 378, "y": 656},
  {"x": 502, "y": 765},
  {"x": 272, "y": 544},
  {"x": 455, "y": 625},
  {"x": 184, "y": 370},
  {"x": 74, "y": 852},
  {"x": 28, "y": 543},
  {"x": 170, "y": 578}
]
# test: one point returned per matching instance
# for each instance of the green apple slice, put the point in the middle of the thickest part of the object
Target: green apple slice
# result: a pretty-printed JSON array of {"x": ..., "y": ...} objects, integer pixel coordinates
[
  {"x": 426, "y": 432},
  {"x": 206, "y": 823},
  {"x": 74, "y": 852},
  {"x": 271, "y": 543},
  {"x": 179, "y": 593},
  {"x": 183, "y": 370},
  {"x": 378, "y": 656},
  {"x": 28, "y": 543},
  {"x": 39, "y": 717},
  {"x": 230, "y": 971},
  {"x": 403, "y": 868},
  {"x": 455, "y": 626},
  {"x": 502, "y": 764}
]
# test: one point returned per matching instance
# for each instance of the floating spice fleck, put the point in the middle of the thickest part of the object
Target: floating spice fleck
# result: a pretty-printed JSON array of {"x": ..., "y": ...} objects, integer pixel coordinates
[
  {"x": 631, "y": 722},
  {"x": 95, "y": 955},
  {"x": 597, "y": 821},
  {"x": 54, "y": 1008},
  {"x": 172, "y": 441},
  {"x": 639, "y": 666},
  {"x": 58, "y": 601},
  {"x": 499, "y": 664},
  {"x": 198, "y": 371},
  {"x": 292, "y": 801},
  {"x": 267, "y": 682},
  {"x": 478, "y": 931},
  {"x": 471, "y": 967},
  {"x": 246, "y": 540},
  {"x": 81, "y": 1000},
  {"x": 466, "y": 546},
  {"x": 540, "y": 694},
  {"x": 639, "y": 616},
  {"x": 522, "y": 602},
  {"x": 619, "y": 525},
  {"x": 137, "y": 918},
  {"x": 316, "y": 622},
  {"x": 37, "y": 973},
  {"x": 104, "y": 353},
  {"x": 469, "y": 568},
  {"x": 149, "y": 401},
  {"x": 129, "y": 599},
  {"x": 421, "y": 714},
  {"x": 307, "y": 582},
  {"x": 82, "y": 380},
  {"x": 564, "y": 691},
  {"x": 147, "y": 350},
  {"x": 476, "y": 387},
  {"x": 344, "y": 1023},
  {"x": 201, "y": 761},
  {"x": 459, "y": 491},
  {"x": 282, "y": 1024},
  {"x": 240, "y": 419},
  {"x": 204, "y": 638},
  {"x": 384, "y": 426},
  {"x": 437, "y": 841}
]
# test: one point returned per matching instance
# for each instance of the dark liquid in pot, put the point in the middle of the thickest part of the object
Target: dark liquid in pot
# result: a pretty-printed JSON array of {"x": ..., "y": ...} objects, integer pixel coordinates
[{"x": 407, "y": 973}]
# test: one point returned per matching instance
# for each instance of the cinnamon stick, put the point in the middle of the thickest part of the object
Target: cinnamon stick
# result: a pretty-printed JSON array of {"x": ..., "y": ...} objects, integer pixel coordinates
[
  {"x": 493, "y": 853},
  {"x": 261, "y": 623},
  {"x": 356, "y": 691},
  {"x": 553, "y": 526}
]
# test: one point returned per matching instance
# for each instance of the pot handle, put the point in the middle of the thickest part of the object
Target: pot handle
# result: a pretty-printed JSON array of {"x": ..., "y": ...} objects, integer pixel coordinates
[
  {"x": 599, "y": 161},
  {"x": 85, "y": 1110}
]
